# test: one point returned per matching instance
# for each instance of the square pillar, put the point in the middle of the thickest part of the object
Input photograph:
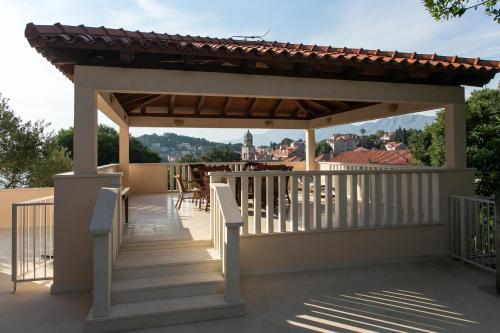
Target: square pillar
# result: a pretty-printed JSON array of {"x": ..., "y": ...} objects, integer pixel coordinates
[
  {"x": 124, "y": 153},
  {"x": 455, "y": 136},
  {"x": 310, "y": 149},
  {"x": 85, "y": 131}
]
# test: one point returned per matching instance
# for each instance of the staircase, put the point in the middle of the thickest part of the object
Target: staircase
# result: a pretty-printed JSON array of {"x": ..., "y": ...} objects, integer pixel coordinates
[{"x": 159, "y": 284}]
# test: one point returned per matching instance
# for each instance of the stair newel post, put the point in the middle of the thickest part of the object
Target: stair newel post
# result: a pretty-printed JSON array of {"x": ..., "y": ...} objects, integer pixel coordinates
[
  {"x": 104, "y": 239},
  {"x": 102, "y": 275},
  {"x": 232, "y": 261}
]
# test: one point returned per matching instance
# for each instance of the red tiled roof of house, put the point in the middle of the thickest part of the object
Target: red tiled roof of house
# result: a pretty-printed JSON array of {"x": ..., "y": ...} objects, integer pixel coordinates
[
  {"x": 82, "y": 37},
  {"x": 365, "y": 156},
  {"x": 293, "y": 159}
]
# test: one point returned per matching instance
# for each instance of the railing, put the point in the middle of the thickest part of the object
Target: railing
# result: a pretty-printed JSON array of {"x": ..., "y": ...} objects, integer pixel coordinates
[
  {"x": 105, "y": 228},
  {"x": 225, "y": 223},
  {"x": 472, "y": 230},
  {"x": 322, "y": 200},
  {"x": 340, "y": 166},
  {"x": 32, "y": 240}
]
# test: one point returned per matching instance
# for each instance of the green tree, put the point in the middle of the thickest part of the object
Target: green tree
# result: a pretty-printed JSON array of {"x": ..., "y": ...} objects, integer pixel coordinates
[
  {"x": 221, "y": 154},
  {"x": 188, "y": 158},
  {"x": 362, "y": 131},
  {"x": 447, "y": 9},
  {"x": 323, "y": 147},
  {"x": 108, "y": 149},
  {"x": 286, "y": 141},
  {"x": 28, "y": 154},
  {"x": 380, "y": 133},
  {"x": 482, "y": 111}
]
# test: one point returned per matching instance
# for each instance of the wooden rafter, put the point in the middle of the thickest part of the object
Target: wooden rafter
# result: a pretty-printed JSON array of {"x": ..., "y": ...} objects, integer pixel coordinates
[
  {"x": 328, "y": 104},
  {"x": 171, "y": 104},
  {"x": 304, "y": 105},
  {"x": 276, "y": 107},
  {"x": 145, "y": 103},
  {"x": 199, "y": 105},
  {"x": 227, "y": 103},
  {"x": 252, "y": 107}
]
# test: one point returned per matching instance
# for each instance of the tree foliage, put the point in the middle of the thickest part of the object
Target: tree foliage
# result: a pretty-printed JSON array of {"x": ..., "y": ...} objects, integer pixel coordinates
[
  {"x": 323, "y": 147},
  {"x": 286, "y": 141},
  {"x": 29, "y": 156},
  {"x": 482, "y": 111},
  {"x": 221, "y": 154},
  {"x": 108, "y": 147},
  {"x": 447, "y": 9}
]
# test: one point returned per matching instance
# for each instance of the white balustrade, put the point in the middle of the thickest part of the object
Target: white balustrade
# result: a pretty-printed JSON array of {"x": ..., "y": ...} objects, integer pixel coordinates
[{"x": 325, "y": 200}]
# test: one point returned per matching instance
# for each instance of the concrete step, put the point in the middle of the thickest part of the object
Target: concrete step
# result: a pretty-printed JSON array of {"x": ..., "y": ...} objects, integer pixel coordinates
[
  {"x": 164, "y": 256},
  {"x": 170, "y": 261},
  {"x": 166, "y": 244},
  {"x": 168, "y": 286},
  {"x": 159, "y": 313}
]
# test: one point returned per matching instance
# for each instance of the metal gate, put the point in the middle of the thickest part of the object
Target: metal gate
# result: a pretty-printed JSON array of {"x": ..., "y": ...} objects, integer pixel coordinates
[
  {"x": 472, "y": 231},
  {"x": 32, "y": 240}
]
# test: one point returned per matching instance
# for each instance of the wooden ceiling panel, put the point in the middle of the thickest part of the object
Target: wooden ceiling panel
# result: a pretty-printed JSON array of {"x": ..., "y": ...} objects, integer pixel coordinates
[{"x": 137, "y": 105}]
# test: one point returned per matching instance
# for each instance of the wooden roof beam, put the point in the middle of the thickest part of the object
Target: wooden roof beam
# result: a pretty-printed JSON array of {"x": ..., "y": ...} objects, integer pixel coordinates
[
  {"x": 227, "y": 103},
  {"x": 252, "y": 107},
  {"x": 199, "y": 105},
  {"x": 171, "y": 104},
  {"x": 276, "y": 107},
  {"x": 143, "y": 104}
]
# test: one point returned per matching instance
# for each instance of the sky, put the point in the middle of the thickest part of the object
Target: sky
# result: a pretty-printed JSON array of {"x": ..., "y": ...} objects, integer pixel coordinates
[{"x": 37, "y": 90}]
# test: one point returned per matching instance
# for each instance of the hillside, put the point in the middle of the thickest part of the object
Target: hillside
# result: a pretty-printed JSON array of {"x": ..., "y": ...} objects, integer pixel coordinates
[{"x": 415, "y": 121}]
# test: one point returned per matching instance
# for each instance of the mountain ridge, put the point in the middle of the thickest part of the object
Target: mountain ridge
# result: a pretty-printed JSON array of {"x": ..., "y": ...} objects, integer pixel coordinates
[{"x": 415, "y": 121}]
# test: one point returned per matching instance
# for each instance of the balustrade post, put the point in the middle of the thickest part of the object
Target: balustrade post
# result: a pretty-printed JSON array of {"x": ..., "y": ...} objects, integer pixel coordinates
[{"x": 232, "y": 262}]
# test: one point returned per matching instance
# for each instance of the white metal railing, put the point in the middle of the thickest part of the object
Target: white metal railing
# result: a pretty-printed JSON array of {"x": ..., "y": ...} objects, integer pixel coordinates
[
  {"x": 225, "y": 224},
  {"x": 277, "y": 201},
  {"x": 472, "y": 230},
  {"x": 32, "y": 240},
  {"x": 105, "y": 228}
]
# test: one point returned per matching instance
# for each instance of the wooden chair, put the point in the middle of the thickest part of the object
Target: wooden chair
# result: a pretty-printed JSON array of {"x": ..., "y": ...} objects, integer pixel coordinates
[
  {"x": 203, "y": 184},
  {"x": 183, "y": 192}
]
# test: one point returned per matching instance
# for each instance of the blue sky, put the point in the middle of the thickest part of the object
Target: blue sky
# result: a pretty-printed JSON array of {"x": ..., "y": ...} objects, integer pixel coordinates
[{"x": 38, "y": 91}]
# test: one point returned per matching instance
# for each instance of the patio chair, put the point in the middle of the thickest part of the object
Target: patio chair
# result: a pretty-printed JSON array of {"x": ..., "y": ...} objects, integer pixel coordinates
[
  {"x": 183, "y": 192},
  {"x": 253, "y": 166},
  {"x": 203, "y": 184}
]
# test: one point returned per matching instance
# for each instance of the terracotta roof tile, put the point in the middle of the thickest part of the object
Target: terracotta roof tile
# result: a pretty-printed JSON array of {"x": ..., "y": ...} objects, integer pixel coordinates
[
  {"x": 365, "y": 156},
  {"x": 41, "y": 36}
]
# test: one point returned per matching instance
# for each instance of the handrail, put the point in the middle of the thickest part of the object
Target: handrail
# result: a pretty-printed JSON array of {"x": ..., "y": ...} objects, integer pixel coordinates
[
  {"x": 105, "y": 228},
  {"x": 225, "y": 229},
  {"x": 104, "y": 210}
]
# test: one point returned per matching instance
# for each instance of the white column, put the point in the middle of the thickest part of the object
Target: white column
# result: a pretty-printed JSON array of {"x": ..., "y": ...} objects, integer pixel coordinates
[
  {"x": 124, "y": 153},
  {"x": 85, "y": 131},
  {"x": 310, "y": 149},
  {"x": 455, "y": 136}
]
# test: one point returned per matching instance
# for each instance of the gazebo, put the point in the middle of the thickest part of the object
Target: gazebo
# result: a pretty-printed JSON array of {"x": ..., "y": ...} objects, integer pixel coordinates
[{"x": 148, "y": 79}]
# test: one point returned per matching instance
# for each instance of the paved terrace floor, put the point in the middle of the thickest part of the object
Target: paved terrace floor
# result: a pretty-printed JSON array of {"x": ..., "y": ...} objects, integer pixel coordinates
[
  {"x": 411, "y": 297},
  {"x": 154, "y": 217},
  {"x": 437, "y": 296}
]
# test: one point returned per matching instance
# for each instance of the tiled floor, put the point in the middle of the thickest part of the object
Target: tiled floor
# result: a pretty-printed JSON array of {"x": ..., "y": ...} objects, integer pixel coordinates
[{"x": 154, "y": 217}]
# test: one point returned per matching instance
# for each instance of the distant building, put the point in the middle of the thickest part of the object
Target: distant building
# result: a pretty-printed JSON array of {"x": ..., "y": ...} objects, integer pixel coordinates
[
  {"x": 391, "y": 145},
  {"x": 374, "y": 156},
  {"x": 387, "y": 136},
  {"x": 341, "y": 143},
  {"x": 262, "y": 153},
  {"x": 294, "y": 152},
  {"x": 248, "y": 150}
]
